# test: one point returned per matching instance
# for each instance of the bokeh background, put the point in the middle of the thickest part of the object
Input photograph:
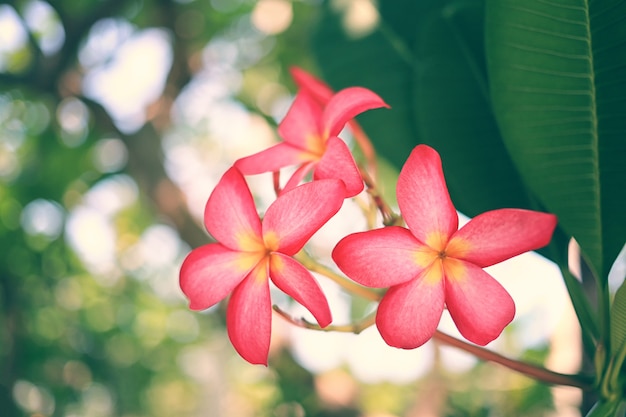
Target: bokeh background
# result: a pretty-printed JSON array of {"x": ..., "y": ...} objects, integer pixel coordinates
[{"x": 117, "y": 118}]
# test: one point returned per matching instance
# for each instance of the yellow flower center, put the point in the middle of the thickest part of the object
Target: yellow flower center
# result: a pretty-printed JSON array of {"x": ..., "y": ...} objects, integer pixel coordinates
[
  {"x": 316, "y": 144},
  {"x": 249, "y": 242},
  {"x": 440, "y": 257},
  {"x": 270, "y": 238},
  {"x": 260, "y": 271}
]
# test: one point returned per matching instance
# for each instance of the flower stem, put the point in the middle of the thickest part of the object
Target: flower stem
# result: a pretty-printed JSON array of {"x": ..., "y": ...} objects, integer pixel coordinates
[
  {"x": 366, "y": 146},
  {"x": 350, "y": 286},
  {"x": 369, "y": 209},
  {"x": 389, "y": 217},
  {"x": 276, "y": 182},
  {"x": 536, "y": 372},
  {"x": 355, "y": 328},
  {"x": 533, "y": 371}
]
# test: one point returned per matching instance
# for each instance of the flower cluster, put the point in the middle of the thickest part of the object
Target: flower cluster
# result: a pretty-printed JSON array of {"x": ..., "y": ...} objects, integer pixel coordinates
[{"x": 426, "y": 266}]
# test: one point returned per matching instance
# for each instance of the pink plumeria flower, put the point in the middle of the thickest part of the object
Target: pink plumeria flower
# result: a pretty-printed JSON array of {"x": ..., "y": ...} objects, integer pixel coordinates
[
  {"x": 310, "y": 132},
  {"x": 322, "y": 93},
  {"x": 250, "y": 252},
  {"x": 318, "y": 89},
  {"x": 432, "y": 264}
]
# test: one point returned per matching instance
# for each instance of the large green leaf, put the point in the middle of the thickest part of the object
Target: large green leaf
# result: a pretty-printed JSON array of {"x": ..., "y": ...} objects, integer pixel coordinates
[{"x": 558, "y": 82}]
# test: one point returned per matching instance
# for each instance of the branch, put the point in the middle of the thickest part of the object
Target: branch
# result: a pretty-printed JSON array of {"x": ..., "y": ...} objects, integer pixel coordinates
[
  {"x": 355, "y": 328},
  {"x": 75, "y": 32},
  {"x": 534, "y": 371},
  {"x": 145, "y": 165},
  {"x": 389, "y": 217}
]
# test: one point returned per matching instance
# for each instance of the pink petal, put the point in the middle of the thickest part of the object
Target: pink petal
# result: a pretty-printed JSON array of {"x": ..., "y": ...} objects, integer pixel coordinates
[
  {"x": 347, "y": 104},
  {"x": 313, "y": 86},
  {"x": 480, "y": 307},
  {"x": 424, "y": 200},
  {"x": 338, "y": 163},
  {"x": 409, "y": 313},
  {"x": 230, "y": 214},
  {"x": 297, "y": 282},
  {"x": 301, "y": 126},
  {"x": 273, "y": 159},
  {"x": 249, "y": 316},
  {"x": 379, "y": 258},
  {"x": 209, "y": 273},
  {"x": 498, "y": 235},
  {"x": 298, "y": 213},
  {"x": 299, "y": 175}
]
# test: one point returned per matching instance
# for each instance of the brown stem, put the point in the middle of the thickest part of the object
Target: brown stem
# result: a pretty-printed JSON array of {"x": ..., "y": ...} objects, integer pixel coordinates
[
  {"x": 389, "y": 217},
  {"x": 536, "y": 372},
  {"x": 366, "y": 146},
  {"x": 276, "y": 182},
  {"x": 355, "y": 328}
]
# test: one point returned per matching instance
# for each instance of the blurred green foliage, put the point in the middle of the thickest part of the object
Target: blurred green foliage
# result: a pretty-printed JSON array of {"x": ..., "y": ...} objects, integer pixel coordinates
[{"x": 111, "y": 335}]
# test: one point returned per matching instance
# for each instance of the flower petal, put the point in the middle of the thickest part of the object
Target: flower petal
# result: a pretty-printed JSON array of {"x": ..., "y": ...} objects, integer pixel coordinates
[
  {"x": 338, "y": 163},
  {"x": 313, "y": 86},
  {"x": 273, "y": 159},
  {"x": 209, "y": 273},
  {"x": 480, "y": 307},
  {"x": 301, "y": 126},
  {"x": 298, "y": 175},
  {"x": 297, "y": 214},
  {"x": 249, "y": 316},
  {"x": 347, "y": 104},
  {"x": 230, "y": 214},
  {"x": 498, "y": 235},
  {"x": 424, "y": 200},
  {"x": 294, "y": 280},
  {"x": 379, "y": 258},
  {"x": 409, "y": 313}
]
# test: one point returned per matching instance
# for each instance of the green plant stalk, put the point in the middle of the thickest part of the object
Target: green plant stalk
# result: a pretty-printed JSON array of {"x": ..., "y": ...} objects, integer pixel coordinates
[
  {"x": 604, "y": 409},
  {"x": 605, "y": 357},
  {"x": 588, "y": 322},
  {"x": 604, "y": 310},
  {"x": 345, "y": 283},
  {"x": 612, "y": 385}
]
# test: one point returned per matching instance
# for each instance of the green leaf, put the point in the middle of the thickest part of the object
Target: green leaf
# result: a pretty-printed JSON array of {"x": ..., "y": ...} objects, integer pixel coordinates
[
  {"x": 604, "y": 409},
  {"x": 618, "y": 319},
  {"x": 559, "y": 92},
  {"x": 584, "y": 312}
]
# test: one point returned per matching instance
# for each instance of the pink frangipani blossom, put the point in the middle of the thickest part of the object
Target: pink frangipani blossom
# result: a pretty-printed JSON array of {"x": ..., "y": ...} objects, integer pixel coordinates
[
  {"x": 310, "y": 131},
  {"x": 432, "y": 265},
  {"x": 250, "y": 251},
  {"x": 319, "y": 90}
]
